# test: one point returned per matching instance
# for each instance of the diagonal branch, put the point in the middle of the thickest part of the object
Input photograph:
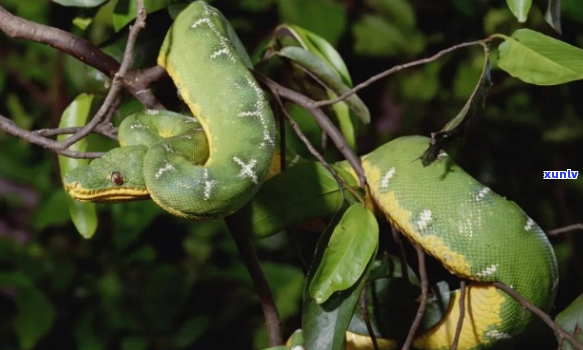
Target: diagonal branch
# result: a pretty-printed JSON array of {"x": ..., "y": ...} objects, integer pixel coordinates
[
  {"x": 561, "y": 333},
  {"x": 321, "y": 119},
  {"x": 396, "y": 69},
  {"x": 75, "y": 46}
]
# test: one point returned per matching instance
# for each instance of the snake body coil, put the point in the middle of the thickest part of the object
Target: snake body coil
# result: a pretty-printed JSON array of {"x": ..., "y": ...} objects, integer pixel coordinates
[{"x": 209, "y": 66}]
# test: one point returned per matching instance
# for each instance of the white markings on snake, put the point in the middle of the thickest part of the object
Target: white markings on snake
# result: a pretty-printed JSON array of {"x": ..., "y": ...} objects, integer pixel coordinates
[
  {"x": 208, "y": 185},
  {"x": 424, "y": 219},
  {"x": 496, "y": 334},
  {"x": 167, "y": 167},
  {"x": 225, "y": 42},
  {"x": 139, "y": 125},
  {"x": 268, "y": 139},
  {"x": 207, "y": 10},
  {"x": 529, "y": 224},
  {"x": 488, "y": 270},
  {"x": 247, "y": 169},
  {"x": 483, "y": 193},
  {"x": 152, "y": 112},
  {"x": 388, "y": 176},
  {"x": 442, "y": 155}
]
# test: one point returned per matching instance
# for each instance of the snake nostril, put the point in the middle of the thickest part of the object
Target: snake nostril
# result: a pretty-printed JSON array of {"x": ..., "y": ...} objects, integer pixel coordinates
[{"x": 117, "y": 178}]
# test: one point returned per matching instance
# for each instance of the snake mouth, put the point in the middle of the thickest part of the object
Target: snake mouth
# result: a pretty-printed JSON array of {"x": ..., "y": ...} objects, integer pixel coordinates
[{"x": 105, "y": 195}]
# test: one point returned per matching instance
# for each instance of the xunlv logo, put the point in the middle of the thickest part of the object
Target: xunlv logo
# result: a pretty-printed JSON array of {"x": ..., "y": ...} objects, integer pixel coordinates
[{"x": 560, "y": 174}]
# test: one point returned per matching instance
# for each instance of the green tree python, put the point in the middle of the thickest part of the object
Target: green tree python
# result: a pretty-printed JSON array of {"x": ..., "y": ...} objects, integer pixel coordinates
[
  {"x": 212, "y": 165},
  {"x": 210, "y": 67}
]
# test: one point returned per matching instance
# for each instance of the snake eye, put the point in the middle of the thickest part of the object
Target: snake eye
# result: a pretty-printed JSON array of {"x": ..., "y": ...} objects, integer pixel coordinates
[{"x": 117, "y": 178}]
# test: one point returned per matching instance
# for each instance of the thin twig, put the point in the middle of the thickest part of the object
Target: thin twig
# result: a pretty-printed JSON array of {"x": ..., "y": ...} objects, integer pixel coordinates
[
  {"x": 402, "y": 256},
  {"x": 103, "y": 129},
  {"x": 81, "y": 49},
  {"x": 561, "y": 333},
  {"x": 460, "y": 321},
  {"x": 422, "y": 303},
  {"x": 565, "y": 229},
  {"x": 295, "y": 127},
  {"x": 8, "y": 126},
  {"x": 395, "y": 69},
  {"x": 364, "y": 315},
  {"x": 249, "y": 256},
  {"x": 322, "y": 121},
  {"x": 116, "y": 84}
]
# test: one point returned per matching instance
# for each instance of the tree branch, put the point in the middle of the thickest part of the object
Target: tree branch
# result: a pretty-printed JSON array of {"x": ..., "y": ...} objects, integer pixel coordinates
[
  {"x": 116, "y": 84},
  {"x": 247, "y": 251},
  {"x": 460, "y": 321},
  {"x": 561, "y": 333},
  {"x": 422, "y": 303},
  {"x": 11, "y": 128},
  {"x": 321, "y": 119},
  {"x": 565, "y": 229},
  {"x": 395, "y": 69},
  {"x": 81, "y": 49}
]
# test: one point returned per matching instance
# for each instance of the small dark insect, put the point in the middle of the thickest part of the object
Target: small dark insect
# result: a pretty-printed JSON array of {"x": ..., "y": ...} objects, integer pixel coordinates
[{"x": 117, "y": 178}]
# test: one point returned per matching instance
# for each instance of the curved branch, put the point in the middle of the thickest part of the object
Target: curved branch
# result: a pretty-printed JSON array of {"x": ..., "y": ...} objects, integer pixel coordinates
[{"x": 395, "y": 69}]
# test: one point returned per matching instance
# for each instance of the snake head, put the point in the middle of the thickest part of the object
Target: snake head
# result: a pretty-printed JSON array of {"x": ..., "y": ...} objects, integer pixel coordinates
[{"x": 115, "y": 177}]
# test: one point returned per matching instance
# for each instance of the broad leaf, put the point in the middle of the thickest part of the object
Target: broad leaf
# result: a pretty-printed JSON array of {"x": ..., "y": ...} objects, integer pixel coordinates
[
  {"x": 349, "y": 250},
  {"x": 324, "y": 325},
  {"x": 552, "y": 11},
  {"x": 326, "y": 76},
  {"x": 539, "y": 59},
  {"x": 302, "y": 192},
  {"x": 34, "y": 318},
  {"x": 519, "y": 8},
  {"x": 316, "y": 45},
  {"x": 571, "y": 320},
  {"x": 84, "y": 215}
]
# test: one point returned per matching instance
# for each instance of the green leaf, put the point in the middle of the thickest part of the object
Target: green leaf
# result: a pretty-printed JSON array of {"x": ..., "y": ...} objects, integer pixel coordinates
[
  {"x": 539, "y": 59},
  {"x": 84, "y": 215},
  {"x": 350, "y": 248},
  {"x": 190, "y": 331},
  {"x": 571, "y": 320},
  {"x": 321, "y": 73},
  {"x": 326, "y": 76},
  {"x": 519, "y": 8},
  {"x": 308, "y": 14},
  {"x": 316, "y": 45},
  {"x": 552, "y": 11},
  {"x": 80, "y": 3},
  {"x": 324, "y": 325},
  {"x": 302, "y": 192},
  {"x": 456, "y": 127},
  {"x": 82, "y": 23},
  {"x": 34, "y": 318}
]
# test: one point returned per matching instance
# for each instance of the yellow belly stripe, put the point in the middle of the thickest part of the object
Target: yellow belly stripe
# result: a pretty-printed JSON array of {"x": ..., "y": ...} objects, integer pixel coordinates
[{"x": 483, "y": 304}]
